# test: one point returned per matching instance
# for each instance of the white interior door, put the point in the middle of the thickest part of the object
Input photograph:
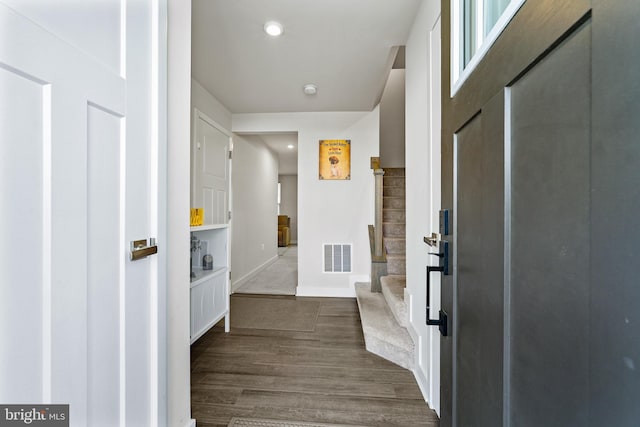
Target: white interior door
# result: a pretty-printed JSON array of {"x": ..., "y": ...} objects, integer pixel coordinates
[
  {"x": 78, "y": 181},
  {"x": 435, "y": 158},
  {"x": 211, "y": 169}
]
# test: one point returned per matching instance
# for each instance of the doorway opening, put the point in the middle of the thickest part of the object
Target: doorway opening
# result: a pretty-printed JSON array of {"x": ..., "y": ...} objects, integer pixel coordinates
[{"x": 275, "y": 270}]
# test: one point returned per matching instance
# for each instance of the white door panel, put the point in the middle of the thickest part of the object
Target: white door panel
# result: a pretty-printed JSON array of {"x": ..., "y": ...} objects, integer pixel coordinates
[
  {"x": 104, "y": 284},
  {"x": 77, "y": 150},
  {"x": 22, "y": 236},
  {"x": 71, "y": 21},
  {"x": 211, "y": 169}
]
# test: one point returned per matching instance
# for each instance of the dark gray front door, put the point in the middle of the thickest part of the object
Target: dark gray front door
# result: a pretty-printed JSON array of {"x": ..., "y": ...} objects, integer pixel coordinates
[{"x": 541, "y": 170}]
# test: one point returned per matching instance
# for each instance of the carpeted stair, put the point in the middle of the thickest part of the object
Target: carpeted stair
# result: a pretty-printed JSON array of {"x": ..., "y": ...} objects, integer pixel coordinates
[
  {"x": 383, "y": 335},
  {"x": 394, "y": 238},
  {"x": 384, "y": 316}
]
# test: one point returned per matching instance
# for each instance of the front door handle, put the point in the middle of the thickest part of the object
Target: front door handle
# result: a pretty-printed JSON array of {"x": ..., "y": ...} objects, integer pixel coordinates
[
  {"x": 441, "y": 322},
  {"x": 442, "y": 267}
]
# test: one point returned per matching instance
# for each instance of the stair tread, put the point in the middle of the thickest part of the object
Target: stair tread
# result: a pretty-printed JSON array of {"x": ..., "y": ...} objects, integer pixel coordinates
[{"x": 382, "y": 333}]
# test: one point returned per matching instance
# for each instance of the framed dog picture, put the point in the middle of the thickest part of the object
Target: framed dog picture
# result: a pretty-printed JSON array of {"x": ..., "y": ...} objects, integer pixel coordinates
[{"x": 335, "y": 159}]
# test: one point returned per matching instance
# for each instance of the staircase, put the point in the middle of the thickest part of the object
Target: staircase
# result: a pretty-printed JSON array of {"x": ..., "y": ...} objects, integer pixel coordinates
[{"x": 384, "y": 315}]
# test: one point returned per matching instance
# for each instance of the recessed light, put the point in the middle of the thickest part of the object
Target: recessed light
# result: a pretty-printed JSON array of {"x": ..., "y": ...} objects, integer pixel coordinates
[
  {"x": 310, "y": 89},
  {"x": 290, "y": 146},
  {"x": 273, "y": 28}
]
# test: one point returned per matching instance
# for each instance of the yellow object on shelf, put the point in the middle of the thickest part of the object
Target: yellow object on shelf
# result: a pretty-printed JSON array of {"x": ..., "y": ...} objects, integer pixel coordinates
[{"x": 197, "y": 216}]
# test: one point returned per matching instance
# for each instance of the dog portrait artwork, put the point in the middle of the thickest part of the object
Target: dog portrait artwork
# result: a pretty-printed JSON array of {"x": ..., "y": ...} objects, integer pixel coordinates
[
  {"x": 335, "y": 169},
  {"x": 335, "y": 159}
]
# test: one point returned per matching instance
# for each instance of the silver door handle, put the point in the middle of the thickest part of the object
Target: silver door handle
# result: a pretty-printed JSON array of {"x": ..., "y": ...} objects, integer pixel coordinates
[
  {"x": 433, "y": 240},
  {"x": 140, "y": 249}
]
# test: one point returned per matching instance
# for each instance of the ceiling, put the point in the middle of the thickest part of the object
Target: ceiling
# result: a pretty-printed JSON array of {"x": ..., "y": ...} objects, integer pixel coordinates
[
  {"x": 345, "y": 47},
  {"x": 279, "y": 143}
]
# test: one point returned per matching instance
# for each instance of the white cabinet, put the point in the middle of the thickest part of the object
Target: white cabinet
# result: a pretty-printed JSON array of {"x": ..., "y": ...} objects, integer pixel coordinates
[
  {"x": 209, "y": 288},
  {"x": 210, "y": 189}
]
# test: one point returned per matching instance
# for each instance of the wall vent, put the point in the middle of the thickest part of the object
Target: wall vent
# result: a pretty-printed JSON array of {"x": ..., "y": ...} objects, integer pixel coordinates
[{"x": 337, "y": 258}]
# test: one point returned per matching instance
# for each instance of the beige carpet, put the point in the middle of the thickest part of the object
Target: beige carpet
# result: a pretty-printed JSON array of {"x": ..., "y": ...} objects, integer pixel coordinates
[
  {"x": 274, "y": 313},
  {"x": 280, "y": 278},
  {"x": 259, "y": 422}
]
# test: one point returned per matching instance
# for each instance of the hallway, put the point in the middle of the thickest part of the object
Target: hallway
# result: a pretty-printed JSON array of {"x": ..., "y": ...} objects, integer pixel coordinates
[
  {"x": 280, "y": 278},
  {"x": 323, "y": 375}
]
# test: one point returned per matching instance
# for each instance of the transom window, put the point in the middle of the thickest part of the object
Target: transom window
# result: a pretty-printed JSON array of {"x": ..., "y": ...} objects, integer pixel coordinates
[{"x": 475, "y": 26}]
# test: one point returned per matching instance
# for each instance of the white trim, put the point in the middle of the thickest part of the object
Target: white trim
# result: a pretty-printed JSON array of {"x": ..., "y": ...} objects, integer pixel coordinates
[
  {"x": 156, "y": 191},
  {"x": 250, "y": 275},
  {"x": 47, "y": 206},
  {"x": 480, "y": 13},
  {"x": 191, "y": 423},
  {"x": 454, "y": 320},
  {"x": 418, "y": 371},
  {"x": 122, "y": 274},
  {"x": 200, "y": 115},
  {"x": 456, "y": 44},
  {"x": 459, "y": 77},
  {"x": 160, "y": 111}
]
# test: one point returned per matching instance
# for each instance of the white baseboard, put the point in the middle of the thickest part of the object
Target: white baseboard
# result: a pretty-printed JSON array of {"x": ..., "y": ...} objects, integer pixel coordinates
[
  {"x": 244, "y": 279},
  {"x": 191, "y": 423},
  {"x": 418, "y": 372}
]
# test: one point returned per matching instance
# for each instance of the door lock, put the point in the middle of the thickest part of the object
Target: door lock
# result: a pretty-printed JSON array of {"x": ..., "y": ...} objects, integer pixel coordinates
[{"x": 443, "y": 255}]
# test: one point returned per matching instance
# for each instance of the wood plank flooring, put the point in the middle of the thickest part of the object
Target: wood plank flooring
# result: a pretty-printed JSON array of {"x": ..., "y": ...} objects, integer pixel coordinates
[{"x": 321, "y": 376}]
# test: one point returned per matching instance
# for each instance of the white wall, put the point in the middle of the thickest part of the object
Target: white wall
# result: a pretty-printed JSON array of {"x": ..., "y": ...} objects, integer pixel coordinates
[
  {"x": 209, "y": 105},
  {"x": 392, "y": 121},
  {"x": 177, "y": 245},
  {"x": 289, "y": 202},
  {"x": 254, "y": 186},
  {"x": 328, "y": 211},
  {"x": 423, "y": 190}
]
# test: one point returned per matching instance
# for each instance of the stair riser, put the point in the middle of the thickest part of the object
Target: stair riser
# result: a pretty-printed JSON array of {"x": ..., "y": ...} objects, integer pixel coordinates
[
  {"x": 393, "y": 202},
  {"x": 393, "y": 230},
  {"x": 393, "y": 181},
  {"x": 396, "y": 267},
  {"x": 391, "y": 215},
  {"x": 393, "y": 288},
  {"x": 393, "y": 191},
  {"x": 395, "y": 246}
]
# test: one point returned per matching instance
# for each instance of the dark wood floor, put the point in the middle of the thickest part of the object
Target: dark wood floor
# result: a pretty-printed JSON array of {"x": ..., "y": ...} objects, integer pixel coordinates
[{"x": 322, "y": 376}]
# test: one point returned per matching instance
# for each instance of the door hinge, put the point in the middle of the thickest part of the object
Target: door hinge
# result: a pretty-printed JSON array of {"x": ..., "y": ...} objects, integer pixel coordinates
[
  {"x": 229, "y": 215},
  {"x": 230, "y": 154},
  {"x": 229, "y": 274}
]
